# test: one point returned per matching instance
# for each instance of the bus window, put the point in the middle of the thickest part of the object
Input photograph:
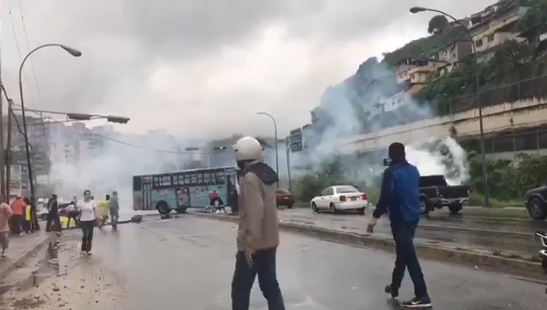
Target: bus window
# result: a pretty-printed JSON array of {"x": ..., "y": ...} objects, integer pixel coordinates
[
  {"x": 220, "y": 177},
  {"x": 137, "y": 184},
  {"x": 187, "y": 180},
  {"x": 200, "y": 178},
  {"x": 193, "y": 178},
  {"x": 207, "y": 178},
  {"x": 166, "y": 180},
  {"x": 156, "y": 182},
  {"x": 180, "y": 179}
]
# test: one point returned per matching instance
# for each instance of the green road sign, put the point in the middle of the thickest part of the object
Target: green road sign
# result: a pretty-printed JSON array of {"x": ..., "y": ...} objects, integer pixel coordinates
[{"x": 296, "y": 140}]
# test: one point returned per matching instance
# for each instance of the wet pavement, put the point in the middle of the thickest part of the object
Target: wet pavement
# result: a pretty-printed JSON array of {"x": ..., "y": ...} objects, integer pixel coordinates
[
  {"x": 20, "y": 246},
  {"x": 514, "y": 238},
  {"x": 187, "y": 263}
]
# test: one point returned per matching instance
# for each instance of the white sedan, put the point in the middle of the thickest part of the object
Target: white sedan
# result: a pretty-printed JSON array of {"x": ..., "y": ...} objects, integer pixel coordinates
[{"x": 340, "y": 198}]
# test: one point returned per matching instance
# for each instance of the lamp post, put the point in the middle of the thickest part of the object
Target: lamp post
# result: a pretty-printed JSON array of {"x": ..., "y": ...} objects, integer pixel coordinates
[
  {"x": 275, "y": 137},
  {"x": 71, "y": 51},
  {"x": 418, "y": 9}
]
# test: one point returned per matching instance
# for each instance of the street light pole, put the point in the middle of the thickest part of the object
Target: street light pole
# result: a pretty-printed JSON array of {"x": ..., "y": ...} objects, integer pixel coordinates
[
  {"x": 276, "y": 142},
  {"x": 72, "y": 52},
  {"x": 417, "y": 9}
]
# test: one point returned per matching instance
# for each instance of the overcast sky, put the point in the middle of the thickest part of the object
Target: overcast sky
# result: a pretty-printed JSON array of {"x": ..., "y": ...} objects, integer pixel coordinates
[{"x": 202, "y": 68}]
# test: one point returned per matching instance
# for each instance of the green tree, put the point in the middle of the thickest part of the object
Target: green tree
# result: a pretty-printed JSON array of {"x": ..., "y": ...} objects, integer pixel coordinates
[{"x": 437, "y": 24}]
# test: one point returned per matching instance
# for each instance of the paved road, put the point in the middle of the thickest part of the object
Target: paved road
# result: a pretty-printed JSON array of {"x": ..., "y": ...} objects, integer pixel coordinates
[
  {"x": 499, "y": 237},
  {"x": 188, "y": 263}
]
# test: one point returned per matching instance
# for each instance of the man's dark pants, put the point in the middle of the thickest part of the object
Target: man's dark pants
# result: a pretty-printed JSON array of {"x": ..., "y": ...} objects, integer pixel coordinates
[
  {"x": 53, "y": 222},
  {"x": 16, "y": 223},
  {"x": 403, "y": 234},
  {"x": 264, "y": 266}
]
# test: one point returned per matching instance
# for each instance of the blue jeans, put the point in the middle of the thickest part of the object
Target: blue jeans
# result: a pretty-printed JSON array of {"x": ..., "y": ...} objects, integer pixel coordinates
[
  {"x": 244, "y": 276},
  {"x": 403, "y": 235}
]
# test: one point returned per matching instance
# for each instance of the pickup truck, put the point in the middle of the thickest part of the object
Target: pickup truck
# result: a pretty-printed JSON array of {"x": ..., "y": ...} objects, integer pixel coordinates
[{"x": 435, "y": 193}]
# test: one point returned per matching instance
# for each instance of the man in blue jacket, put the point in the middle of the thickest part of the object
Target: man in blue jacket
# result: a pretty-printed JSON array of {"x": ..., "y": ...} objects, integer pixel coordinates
[{"x": 400, "y": 199}]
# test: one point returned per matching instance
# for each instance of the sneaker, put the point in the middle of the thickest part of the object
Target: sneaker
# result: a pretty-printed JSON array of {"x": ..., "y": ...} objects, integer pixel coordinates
[
  {"x": 416, "y": 303},
  {"x": 393, "y": 292}
]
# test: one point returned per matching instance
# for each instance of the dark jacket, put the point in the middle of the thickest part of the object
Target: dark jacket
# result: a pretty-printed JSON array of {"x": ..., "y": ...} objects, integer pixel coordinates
[{"x": 400, "y": 196}]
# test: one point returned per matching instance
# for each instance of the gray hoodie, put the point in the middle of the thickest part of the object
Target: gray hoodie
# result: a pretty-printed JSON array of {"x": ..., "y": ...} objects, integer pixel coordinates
[{"x": 114, "y": 204}]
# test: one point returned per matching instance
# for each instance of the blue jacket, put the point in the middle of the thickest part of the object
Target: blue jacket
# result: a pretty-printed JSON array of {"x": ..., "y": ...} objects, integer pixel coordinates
[{"x": 400, "y": 196}]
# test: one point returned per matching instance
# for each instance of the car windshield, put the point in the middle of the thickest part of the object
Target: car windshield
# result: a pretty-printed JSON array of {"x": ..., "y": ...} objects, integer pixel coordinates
[
  {"x": 282, "y": 191},
  {"x": 346, "y": 189}
]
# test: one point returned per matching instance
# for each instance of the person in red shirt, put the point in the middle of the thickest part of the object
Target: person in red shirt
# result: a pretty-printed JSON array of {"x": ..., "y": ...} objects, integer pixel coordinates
[{"x": 17, "y": 208}]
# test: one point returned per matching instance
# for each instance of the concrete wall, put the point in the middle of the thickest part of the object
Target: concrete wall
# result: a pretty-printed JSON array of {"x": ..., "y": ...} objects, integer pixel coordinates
[{"x": 524, "y": 113}]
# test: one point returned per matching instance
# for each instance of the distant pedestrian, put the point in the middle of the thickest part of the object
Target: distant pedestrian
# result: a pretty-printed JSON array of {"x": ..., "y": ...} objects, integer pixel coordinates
[
  {"x": 88, "y": 219},
  {"x": 5, "y": 215},
  {"x": 53, "y": 221},
  {"x": 35, "y": 225},
  {"x": 72, "y": 213},
  {"x": 114, "y": 209},
  {"x": 258, "y": 231},
  {"x": 399, "y": 198},
  {"x": 16, "y": 221},
  {"x": 27, "y": 219}
]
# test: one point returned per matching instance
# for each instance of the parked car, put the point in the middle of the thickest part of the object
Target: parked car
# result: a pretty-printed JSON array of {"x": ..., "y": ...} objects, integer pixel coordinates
[
  {"x": 435, "y": 193},
  {"x": 284, "y": 198},
  {"x": 536, "y": 203},
  {"x": 340, "y": 198}
]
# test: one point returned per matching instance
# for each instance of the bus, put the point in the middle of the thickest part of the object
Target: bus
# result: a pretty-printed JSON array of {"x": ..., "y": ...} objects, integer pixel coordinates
[{"x": 181, "y": 190}]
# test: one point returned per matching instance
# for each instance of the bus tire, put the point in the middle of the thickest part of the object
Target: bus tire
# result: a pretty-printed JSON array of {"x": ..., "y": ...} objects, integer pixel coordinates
[
  {"x": 181, "y": 210},
  {"x": 163, "y": 207}
]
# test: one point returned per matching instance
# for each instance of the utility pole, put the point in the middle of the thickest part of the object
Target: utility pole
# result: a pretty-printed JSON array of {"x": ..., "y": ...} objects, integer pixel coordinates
[
  {"x": 289, "y": 166},
  {"x": 2, "y": 149},
  {"x": 8, "y": 150}
]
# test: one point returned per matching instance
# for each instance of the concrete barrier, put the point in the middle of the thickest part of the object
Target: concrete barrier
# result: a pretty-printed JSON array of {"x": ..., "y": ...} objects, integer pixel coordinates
[{"x": 467, "y": 257}]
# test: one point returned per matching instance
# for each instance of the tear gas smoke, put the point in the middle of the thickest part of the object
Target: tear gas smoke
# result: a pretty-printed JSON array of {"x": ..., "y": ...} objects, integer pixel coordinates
[{"x": 368, "y": 102}]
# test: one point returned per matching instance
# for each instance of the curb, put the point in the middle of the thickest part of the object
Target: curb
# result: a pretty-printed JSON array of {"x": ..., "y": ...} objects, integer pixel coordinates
[
  {"x": 26, "y": 255},
  {"x": 511, "y": 266}
]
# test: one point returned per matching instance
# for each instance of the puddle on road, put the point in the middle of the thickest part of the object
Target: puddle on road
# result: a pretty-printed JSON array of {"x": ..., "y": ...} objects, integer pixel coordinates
[{"x": 30, "y": 274}]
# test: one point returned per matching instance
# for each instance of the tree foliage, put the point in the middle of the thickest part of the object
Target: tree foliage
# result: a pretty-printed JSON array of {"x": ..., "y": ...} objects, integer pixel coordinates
[
  {"x": 535, "y": 16},
  {"x": 437, "y": 24}
]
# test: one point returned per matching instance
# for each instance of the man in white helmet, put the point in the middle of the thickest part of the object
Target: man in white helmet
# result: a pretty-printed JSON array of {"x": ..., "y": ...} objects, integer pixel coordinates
[{"x": 258, "y": 232}]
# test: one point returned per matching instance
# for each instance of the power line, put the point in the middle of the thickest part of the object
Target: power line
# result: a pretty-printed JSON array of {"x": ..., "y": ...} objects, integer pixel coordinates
[
  {"x": 17, "y": 44},
  {"x": 22, "y": 14},
  {"x": 143, "y": 147}
]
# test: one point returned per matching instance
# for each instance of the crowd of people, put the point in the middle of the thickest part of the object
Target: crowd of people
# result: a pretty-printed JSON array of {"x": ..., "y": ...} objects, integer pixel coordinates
[{"x": 20, "y": 217}]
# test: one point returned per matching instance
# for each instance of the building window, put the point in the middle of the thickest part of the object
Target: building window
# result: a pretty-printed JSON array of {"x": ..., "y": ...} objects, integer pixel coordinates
[
  {"x": 491, "y": 37},
  {"x": 478, "y": 43}
]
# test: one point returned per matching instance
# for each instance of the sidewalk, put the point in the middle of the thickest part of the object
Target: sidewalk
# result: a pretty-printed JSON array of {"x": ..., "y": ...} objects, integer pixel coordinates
[{"x": 21, "y": 248}]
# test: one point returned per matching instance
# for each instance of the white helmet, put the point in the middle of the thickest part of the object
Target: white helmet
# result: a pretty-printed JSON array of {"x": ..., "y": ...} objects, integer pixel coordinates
[{"x": 248, "y": 148}]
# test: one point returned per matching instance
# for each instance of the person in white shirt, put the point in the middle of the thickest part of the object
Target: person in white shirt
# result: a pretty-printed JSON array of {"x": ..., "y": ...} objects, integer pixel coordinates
[{"x": 87, "y": 209}]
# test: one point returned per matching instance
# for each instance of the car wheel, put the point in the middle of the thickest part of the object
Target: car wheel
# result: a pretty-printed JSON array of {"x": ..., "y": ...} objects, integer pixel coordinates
[
  {"x": 332, "y": 208},
  {"x": 289, "y": 206},
  {"x": 361, "y": 211},
  {"x": 455, "y": 208},
  {"x": 423, "y": 207},
  {"x": 163, "y": 208},
  {"x": 537, "y": 209},
  {"x": 314, "y": 207}
]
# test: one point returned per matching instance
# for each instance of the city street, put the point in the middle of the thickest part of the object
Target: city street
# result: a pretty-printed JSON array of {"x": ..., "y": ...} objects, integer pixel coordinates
[
  {"x": 493, "y": 234},
  {"x": 187, "y": 263}
]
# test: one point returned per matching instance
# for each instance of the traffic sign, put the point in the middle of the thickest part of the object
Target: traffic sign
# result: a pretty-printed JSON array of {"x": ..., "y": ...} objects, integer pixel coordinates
[{"x": 295, "y": 137}]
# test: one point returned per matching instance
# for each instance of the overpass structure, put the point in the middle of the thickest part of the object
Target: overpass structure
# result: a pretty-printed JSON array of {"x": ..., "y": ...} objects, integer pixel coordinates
[{"x": 511, "y": 116}]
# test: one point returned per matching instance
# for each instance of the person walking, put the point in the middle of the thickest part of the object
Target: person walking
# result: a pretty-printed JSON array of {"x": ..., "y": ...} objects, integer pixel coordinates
[
  {"x": 53, "y": 221},
  {"x": 35, "y": 225},
  {"x": 72, "y": 212},
  {"x": 399, "y": 198},
  {"x": 27, "y": 219},
  {"x": 16, "y": 222},
  {"x": 88, "y": 219},
  {"x": 114, "y": 209},
  {"x": 5, "y": 215},
  {"x": 258, "y": 231}
]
